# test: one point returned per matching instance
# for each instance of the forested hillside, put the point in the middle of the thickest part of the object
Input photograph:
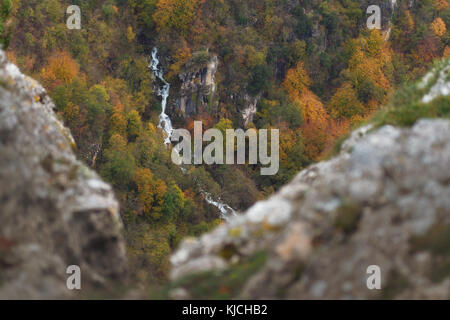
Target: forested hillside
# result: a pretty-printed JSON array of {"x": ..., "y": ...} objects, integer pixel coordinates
[{"x": 310, "y": 68}]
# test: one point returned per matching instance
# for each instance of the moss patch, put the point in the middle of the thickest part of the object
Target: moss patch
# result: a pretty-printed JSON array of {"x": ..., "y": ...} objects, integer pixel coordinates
[
  {"x": 347, "y": 218},
  {"x": 397, "y": 283},
  {"x": 437, "y": 241},
  {"x": 215, "y": 284},
  {"x": 408, "y": 114}
]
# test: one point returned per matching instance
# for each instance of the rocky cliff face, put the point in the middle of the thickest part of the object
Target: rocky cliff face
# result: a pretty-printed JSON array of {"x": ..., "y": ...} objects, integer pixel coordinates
[
  {"x": 198, "y": 92},
  {"x": 54, "y": 212},
  {"x": 383, "y": 201},
  {"x": 198, "y": 88}
]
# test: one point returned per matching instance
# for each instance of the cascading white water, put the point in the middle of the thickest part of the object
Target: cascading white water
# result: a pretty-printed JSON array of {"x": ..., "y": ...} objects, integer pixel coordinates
[
  {"x": 225, "y": 210},
  {"x": 166, "y": 125},
  {"x": 164, "y": 121}
]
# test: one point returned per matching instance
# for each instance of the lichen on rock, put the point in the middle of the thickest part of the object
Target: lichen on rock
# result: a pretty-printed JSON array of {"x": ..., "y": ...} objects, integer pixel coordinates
[{"x": 54, "y": 212}]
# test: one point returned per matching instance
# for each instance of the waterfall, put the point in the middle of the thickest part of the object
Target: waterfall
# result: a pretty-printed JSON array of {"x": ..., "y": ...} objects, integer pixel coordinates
[
  {"x": 166, "y": 125},
  {"x": 225, "y": 210},
  {"x": 164, "y": 121}
]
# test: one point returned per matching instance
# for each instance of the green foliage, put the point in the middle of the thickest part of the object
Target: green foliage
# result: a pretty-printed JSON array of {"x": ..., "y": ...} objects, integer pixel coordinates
[
  {"x": 407, "y": 105},
  {"x": 304, "y": 25},
  {"x": 119, "y": 163},
  {"x": 259, "y": 79},
  {"x": 173, "y": 202},
  {"x": 134, "y": 125},
  {"x": 211, "y": 285},
  {"x": 5, "y": 9}
]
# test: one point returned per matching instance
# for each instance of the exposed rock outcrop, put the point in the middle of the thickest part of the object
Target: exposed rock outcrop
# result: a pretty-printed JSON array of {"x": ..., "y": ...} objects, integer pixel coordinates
[
  {"x": 54, "y": 211},
  {"x": 198, "y": 88},
  {"x": 250, "y": 108},
  {"x": 198, "y": 92}
]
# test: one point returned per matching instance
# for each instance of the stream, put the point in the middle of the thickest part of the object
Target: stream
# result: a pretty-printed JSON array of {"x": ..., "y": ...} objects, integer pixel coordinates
[{"x": 165, "y": 124}]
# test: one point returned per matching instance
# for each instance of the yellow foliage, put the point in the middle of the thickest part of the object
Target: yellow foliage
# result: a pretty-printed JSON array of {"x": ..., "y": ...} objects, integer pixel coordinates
[
  {"x": 130, "y": 34},
  {"x": 441, "y": 4},
  {"x": 410, "y": 21},
  {"x": 178, "y": 15},
  {"x": 344, "y": 103},
  {"x": 312, "y": 108},
  {"x": 151, "y": 192},
  {"x": 296, "y": 81},
  {"x": 118, "y": 123},
  {"x": 438, "y": 27},
  {"x": 182, "y": 56}
]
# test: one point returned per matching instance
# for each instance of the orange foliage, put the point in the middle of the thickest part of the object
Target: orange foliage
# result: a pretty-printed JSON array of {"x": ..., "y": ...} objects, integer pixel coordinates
[
  {"x": 446, "y": 52},
  {"x": 335, "y": 131},
  {"x": 315, "y": 139},
  {"x": 60, "y": 69},
  {"x": 151, "y": 192},
  {"x": 296, "y": 80},
  {"x": 206, "y": 119},
  {"x": 315, "y": 118},
  {"x": 409, "y": 22},
  {"x": 312, "y": 108},
  {"x": 441, "y": 4},
  {"x": 428, "y": 50},
  {"x": 11, "y": 57}
]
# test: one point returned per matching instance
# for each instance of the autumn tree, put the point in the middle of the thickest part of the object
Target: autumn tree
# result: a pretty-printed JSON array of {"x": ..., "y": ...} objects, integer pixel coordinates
[
  {"x": 134, "y": 125},
  {"x": 130, "y": 34},
  {"x": 151, "y": 193},
  {"x": 441, "y": 4},
  {"x": 296, "y": 80},
  {"x": 119, "y": 163},
  {"x": 60, "y": 69},
  {"x": 176, "y": 15},
  {"x": 314, "y": 115},
  {"x": 345, "y": 103},
  {"x": 438, "y": 27},
  {"x": 173, "y": 202},
  {"x": 118, "y": 123},
  {"x": 182, "y": 55},
  {"x": 367, "y": 66}
]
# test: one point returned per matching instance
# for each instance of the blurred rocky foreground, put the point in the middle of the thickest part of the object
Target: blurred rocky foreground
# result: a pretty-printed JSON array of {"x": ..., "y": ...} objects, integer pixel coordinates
[
  {"x": 384, "y": 201},
  {"x": 54, "y": 212}
]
